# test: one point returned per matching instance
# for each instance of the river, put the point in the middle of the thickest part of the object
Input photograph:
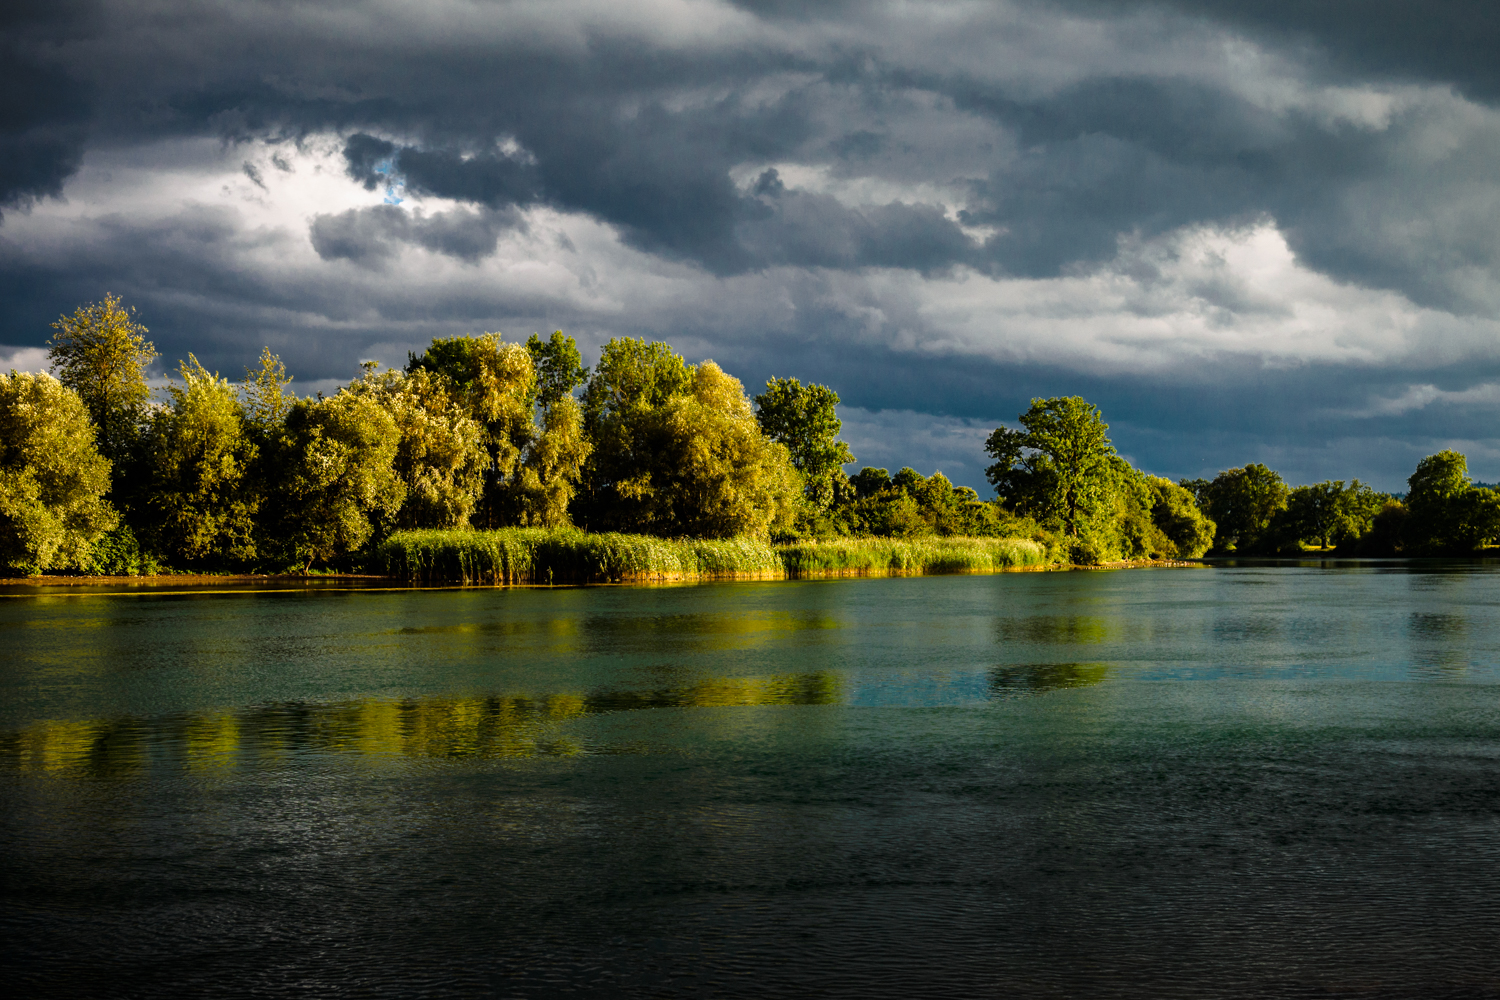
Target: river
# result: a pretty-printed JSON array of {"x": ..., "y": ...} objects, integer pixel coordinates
[{"x": 1239, "y": 781}]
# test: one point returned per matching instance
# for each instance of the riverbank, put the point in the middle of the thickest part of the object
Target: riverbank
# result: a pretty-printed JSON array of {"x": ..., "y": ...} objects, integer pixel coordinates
[{"x": 533, "y": 556}]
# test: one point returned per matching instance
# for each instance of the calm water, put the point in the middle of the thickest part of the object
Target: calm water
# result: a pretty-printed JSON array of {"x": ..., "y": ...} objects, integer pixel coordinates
[{"x": 1230, "y": 782}]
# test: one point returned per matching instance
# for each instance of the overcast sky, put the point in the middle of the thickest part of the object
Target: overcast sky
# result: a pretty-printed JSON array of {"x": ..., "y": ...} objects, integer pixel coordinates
[{"x": 1250, "y": 230}]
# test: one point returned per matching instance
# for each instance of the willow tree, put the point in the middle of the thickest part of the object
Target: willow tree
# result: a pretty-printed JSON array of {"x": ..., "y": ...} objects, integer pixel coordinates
[
  {"x": 1185, "y": 532},
  {"x": 52, "y": 477},
  {"x": 101, "y": 353},
  {"x": 202, "y": 500}
]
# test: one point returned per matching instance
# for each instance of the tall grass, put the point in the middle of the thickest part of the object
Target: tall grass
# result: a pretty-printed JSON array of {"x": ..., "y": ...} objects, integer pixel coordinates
[
  {"x": 873, "y": 556},
  {"x": 539, "y": 555}
]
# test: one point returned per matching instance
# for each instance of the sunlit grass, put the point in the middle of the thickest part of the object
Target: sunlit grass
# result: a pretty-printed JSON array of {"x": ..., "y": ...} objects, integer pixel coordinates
[
  {"x": 916, "y": 555},
  {"x": 539, "y": 555}
]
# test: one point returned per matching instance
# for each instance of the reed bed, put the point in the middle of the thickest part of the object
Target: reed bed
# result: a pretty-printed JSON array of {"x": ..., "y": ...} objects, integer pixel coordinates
[
  {"x": 878, "y": 556},
  {"x": 540, "y": 555}
]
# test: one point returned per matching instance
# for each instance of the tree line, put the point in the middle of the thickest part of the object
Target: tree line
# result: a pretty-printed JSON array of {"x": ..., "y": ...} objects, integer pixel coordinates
[{"x": 97, "y": 476}]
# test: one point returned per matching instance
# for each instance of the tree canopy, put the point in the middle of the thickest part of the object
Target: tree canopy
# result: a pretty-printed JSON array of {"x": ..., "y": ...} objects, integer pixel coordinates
[
  {"x": 53, "y": 480},
  {"x": 101, "y": 353}
]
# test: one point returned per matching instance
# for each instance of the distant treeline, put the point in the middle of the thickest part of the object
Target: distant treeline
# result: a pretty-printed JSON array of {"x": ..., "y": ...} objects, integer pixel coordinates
[{"x": 96, "y": 476}]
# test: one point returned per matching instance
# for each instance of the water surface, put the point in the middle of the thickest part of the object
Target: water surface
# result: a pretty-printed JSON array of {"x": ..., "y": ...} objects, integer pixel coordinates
[{"x": 1234, "y": 782}]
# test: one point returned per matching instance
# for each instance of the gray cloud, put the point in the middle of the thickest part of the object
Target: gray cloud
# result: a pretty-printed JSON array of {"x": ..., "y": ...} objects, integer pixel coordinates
[
  {"x": 369, "y": 236},
  {"x": 938, "y": 210}
]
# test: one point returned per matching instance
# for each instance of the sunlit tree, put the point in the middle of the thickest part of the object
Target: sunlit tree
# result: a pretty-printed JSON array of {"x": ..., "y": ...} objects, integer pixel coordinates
[
  {"x": 339, "y": 481},
  {"x": 52, "y": 477},
  {"x": 201, "y": 501},
  {"x": 1056, "y": 467},
  {"x": 102, "y": 353}
]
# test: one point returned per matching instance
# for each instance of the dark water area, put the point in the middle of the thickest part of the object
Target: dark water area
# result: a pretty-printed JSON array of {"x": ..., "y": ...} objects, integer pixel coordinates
[{"x": 1243, "y": 781}]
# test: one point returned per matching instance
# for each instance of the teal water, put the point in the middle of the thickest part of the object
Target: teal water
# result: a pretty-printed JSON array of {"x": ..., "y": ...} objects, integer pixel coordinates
[{"x": 1243, "y": 781}]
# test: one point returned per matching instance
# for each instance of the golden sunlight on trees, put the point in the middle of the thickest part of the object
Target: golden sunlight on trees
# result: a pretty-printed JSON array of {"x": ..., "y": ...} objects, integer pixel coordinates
[
  {"x": 201, "y": 495},
  {"x": 338, "y": 482},
  {"x": 440, "y": 457},
  {"x": 52, "y": 477},
  {"x": 678, "y": 451},
  {"x": 102, "y": 353}
]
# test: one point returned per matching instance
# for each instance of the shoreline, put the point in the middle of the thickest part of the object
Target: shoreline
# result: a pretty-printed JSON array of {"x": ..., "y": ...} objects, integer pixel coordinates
[{"x": 239, "y": 580}]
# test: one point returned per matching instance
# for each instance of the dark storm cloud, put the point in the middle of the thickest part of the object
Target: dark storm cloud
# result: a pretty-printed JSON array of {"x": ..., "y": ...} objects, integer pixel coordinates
[
  {"x": 45, "y": 110},
  {"x": 621, "y": 129},
  {"x": 801, "y": 140},
  {"x": 371, "y": 235},
  {"x": 1449, "y": 41}
]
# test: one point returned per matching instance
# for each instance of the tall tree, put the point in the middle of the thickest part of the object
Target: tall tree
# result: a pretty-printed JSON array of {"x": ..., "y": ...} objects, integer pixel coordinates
[
  {"x": 52, "y": 477},
  {"x": 677, "y": 449},
  {"x": 440, "y": 452},
  {"x": 1057, "y": 468},
  {"x": 550, "y": 472},
  {"x": 559, "y": 367},
  {"x": 339, "y": 482},
  {"x": 1445, "y": 511},
  {"x": 496, "y": 383},
  {"x": 201, "y": 501},
  {"x": 805, "y": 419},
  {"x": 1175, "y": 512},
  {"x": 266, "y": 397},
  {"x": 1242, "y": 503},
  {"x": 102, "y": 353},
  {"x": 632, "y": 382}
]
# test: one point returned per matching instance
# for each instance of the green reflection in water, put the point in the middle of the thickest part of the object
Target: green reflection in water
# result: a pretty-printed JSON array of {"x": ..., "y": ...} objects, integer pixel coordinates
[
  {"x": 1060, "y": 629},
  {"x": 484, "y": 727},
  {"x": 1009, "y": 681}
]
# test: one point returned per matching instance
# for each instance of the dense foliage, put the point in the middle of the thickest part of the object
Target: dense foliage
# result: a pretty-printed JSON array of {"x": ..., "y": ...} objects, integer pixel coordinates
[
  {"x": 52, "y": 478},
  {"x": 478, "y": 433}
]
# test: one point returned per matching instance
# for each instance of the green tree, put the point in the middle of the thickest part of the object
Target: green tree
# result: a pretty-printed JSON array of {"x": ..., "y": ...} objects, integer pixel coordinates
[
  {"x": 201, "y": 501},
  {"x": 265, "y": 396},
  {"x": 339, "y": 482},
  {"x": 553, "y": 466},
  {"x": 559, "y": 367},
  {"x": 101, "y": 353},
  {"x": 1242, "y": 503},
  {"x": 440, "y": 453},
  {"x": 805, "y": 419},
  {"x": 633, "y": 381},
  {"x": 1445, "y": 511},
  {"x": 678, "y": 451},
  {"x": 52, "y": 477},
  {"x": 496, "y": 383},
  {"x": 1058, "y": 468},
  {"x": 1185, "y": 531},
  {"x": 1328, "y": 513}
]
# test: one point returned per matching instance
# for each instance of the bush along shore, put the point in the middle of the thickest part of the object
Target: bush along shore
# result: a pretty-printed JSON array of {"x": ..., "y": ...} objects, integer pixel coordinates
[{"x": 540, "y": 556}]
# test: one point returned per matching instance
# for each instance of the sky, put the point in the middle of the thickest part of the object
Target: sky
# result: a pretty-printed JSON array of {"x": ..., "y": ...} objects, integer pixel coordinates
[{"x": 1250, "y": 231}]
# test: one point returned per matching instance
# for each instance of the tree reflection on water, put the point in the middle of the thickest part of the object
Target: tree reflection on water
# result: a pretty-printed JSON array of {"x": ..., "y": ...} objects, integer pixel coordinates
[
  {"x": 485, "y": 727},
  {"x": 1009, "y": 681}
]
